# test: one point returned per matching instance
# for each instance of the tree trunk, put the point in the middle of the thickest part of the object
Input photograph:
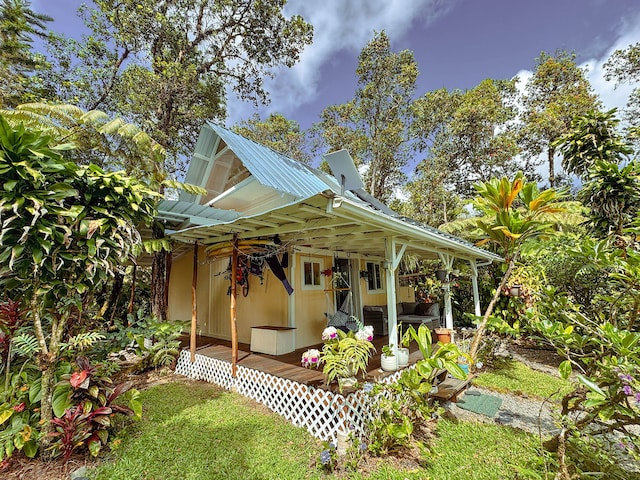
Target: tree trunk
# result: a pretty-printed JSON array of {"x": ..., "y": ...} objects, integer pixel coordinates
[
  {"x": 475, "y": 344},
  {"x": 47, "y": 362},
  {"x": 133, "y": 289},
  {"x": 552, "y": 176},
  {"x": 116, "y": 290},
  {"x": 158, "y": 276}
]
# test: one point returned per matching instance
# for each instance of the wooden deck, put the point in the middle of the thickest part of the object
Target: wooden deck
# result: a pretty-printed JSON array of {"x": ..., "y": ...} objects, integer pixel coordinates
[{"x": 288, "y": 365}]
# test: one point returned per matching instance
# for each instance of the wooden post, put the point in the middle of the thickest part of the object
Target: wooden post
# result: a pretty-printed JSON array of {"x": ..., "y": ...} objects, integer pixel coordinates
[
  {"x": 194, "y": 304},
  {"x": 234, "y": 326}
]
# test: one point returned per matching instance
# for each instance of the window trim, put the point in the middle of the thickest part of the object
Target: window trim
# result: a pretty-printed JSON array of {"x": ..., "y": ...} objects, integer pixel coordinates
[
  {"x": 375, "y": 266},
  {"x": 303, "y": 279}
]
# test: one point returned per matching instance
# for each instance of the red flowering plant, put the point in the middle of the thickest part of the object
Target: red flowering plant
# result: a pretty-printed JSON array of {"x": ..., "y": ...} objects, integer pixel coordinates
[
  {"x": 83, "y": 404},
  {"x": 19, "y": 429}
]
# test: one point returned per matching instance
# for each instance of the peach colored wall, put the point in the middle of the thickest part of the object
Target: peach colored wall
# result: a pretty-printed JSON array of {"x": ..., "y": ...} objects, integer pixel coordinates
[
  {"x": 266, "y": 304},
  {"x": 180, "y": 282},
  {"x": 311, "y": 304}
]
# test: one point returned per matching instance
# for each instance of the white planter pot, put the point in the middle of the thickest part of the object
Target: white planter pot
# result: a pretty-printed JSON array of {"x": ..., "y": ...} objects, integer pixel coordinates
[
  {"x": 403, "y": 357},
  {"x": 389, "y": 364}
]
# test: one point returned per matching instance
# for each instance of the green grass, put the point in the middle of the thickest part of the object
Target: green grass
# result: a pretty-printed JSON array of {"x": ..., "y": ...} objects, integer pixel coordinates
[
  {"x": 197, "y": 431},
  {"x": 515, "y": 377}
]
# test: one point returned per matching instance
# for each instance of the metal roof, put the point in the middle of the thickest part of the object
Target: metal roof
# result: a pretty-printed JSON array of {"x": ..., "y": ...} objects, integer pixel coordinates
[
  {"x": 271, "y": 168},
  {"x": 317, "y": 217},
  {"x": 180, "y": 214}
]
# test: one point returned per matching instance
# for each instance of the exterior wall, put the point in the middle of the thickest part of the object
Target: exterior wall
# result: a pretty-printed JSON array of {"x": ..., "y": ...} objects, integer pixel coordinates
[
  {"x": 311, "y": 305},
  {"x": 266, "y": 304},
  {"x": 180, "y": 282}
]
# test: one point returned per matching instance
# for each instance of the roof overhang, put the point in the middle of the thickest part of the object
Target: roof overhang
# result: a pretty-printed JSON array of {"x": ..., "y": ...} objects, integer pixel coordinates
[{"x": 336, "y": 224}]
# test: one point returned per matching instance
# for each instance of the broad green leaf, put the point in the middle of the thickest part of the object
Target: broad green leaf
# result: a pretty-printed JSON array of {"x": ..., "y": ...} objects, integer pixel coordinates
[
  {"x": 591, "y": 385},
  {"x": 565, "y": 369},
  {"x": 61, "y": 399},
  {"x": 30, "y": 449}
]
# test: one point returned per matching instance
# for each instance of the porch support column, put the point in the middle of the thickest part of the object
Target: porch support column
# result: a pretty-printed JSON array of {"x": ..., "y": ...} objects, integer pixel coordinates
[
  {"x": 292, "y": 298},
  {"x": 232, "y": 306},
  {"x": 392, "y": 260},
  {"x": 474, "y": 285},
  {"x": 194, "y": 304},
  {"x": 447, "y": 260}
]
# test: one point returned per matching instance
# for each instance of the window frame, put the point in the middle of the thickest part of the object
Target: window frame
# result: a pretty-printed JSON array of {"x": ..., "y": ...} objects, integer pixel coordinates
[
  {"x": 303, "y": 282},
  {"x": 372, "y": 267}
]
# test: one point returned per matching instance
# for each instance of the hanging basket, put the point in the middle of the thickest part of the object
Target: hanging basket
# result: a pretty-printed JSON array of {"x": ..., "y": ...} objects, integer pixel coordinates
[{"x": 441, "y": 275}]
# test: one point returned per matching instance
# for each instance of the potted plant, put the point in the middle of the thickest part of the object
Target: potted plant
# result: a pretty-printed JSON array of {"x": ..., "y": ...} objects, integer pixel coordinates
[
  {"x": 344, "y": 355},
  {"x": 403, "y": 351},
  {"x": 388, "y": 360},
  {"x": 443, "y": 335}
]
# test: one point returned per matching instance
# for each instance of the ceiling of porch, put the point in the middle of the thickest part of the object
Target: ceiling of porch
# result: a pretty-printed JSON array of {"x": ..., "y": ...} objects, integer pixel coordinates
[{"x": 338, "y": 225}]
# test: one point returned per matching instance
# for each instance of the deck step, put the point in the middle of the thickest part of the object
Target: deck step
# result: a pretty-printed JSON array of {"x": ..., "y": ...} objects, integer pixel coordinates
[{"x": 451, "y": 388}]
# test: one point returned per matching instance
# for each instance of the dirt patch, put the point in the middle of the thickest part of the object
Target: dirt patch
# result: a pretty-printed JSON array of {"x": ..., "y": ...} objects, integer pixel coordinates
[
  {"x": 18, "y": 467},
  {"x": 534, "y": 356}
]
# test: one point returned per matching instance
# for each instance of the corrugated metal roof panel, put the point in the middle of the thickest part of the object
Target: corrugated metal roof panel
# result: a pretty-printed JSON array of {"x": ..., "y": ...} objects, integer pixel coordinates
[
  {"x": 271, "y": 168},
  {"x": 179, "y": 211}
]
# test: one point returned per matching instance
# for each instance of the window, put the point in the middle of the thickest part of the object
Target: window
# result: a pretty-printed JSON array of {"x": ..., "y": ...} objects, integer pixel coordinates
[
  {"x": 311, "y": 277},
  {"x": 374, "y": 280}
]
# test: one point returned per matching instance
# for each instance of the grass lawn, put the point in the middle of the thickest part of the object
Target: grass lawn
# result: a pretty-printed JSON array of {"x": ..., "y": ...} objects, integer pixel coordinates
[
  {"x": 516, "y": 377},
  {"x": 198, "y": 431}
]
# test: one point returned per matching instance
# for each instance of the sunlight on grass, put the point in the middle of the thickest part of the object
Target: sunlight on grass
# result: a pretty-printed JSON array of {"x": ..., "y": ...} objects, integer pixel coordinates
[
  {"x": 198, "y": 431},
  {"x": 515, "y": 377}
]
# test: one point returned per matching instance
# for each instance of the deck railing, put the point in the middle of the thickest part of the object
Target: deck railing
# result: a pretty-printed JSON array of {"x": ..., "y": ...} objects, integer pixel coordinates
[{"x": 322, "y": 412}]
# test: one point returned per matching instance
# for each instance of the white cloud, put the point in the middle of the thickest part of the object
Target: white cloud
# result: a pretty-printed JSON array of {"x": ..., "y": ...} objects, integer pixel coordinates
[
  {"x": 610, "y": 95},
  {"x": 339, "y": 26}
]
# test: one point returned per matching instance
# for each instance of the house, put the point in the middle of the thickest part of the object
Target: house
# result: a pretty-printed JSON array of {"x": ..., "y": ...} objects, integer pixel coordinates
[{"x": 313, "y": 225}]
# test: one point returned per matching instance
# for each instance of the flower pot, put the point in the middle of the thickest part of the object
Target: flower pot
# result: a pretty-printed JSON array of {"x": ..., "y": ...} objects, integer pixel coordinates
[
  {"x": 514, "y": 290},
  {"x": 443, "y": 335},
  {"x": 403, "y": 357},
  {"x": 389, "y": 363}
]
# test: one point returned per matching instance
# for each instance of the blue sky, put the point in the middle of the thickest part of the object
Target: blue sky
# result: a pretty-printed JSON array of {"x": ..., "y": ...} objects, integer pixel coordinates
[{"x": 457, "y": 44}]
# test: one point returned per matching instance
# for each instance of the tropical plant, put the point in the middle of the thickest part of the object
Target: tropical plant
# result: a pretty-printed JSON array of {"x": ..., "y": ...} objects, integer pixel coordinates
[
  {"x": 66, "y": 229},
  {"x": 606, "y": 396},
  {"x": 343, "y": 355},
  {"x": 513, "y": 224},
  {"x": 403, "y": 406},
  {"x": 165, "y": 343},
  {"x": 84, "y": 404}
]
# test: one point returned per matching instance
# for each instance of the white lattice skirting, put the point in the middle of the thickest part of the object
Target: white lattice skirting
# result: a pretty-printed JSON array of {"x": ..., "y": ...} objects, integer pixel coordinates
[{"x": 321, "y": 412}]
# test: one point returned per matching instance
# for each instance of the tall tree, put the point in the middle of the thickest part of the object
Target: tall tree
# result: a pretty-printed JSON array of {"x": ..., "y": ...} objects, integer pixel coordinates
[
  {"x": 165, "y": 66},
  {"x": 18, "y": 25},
  {"x": 595, "y": 150},
  {"x": 278, "y": 133},
  {"x": 467, "y": 138},
  {"x": 556, "y": 93},
  {"x": 624, "y": 67},
  {"x": 65, "y": 230},
  {"x": 374, "y": 125}
]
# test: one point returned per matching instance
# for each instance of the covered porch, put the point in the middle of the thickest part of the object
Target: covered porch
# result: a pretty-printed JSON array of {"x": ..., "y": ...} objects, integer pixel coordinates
[{"x": 288, "y": 365}]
